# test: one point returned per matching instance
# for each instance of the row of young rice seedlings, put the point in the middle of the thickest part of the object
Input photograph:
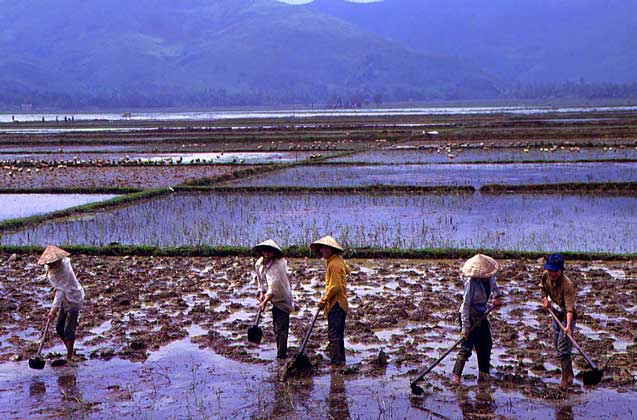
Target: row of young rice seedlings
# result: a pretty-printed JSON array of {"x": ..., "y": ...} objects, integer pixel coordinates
[
  {"x": 512, "y": 222},
  {"x": 492, "y": 155},
  {"x": 433, "y": 174}
]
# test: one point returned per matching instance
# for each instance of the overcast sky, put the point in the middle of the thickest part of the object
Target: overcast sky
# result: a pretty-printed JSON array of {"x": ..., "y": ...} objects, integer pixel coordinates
[{"x": 310, "y": 1}]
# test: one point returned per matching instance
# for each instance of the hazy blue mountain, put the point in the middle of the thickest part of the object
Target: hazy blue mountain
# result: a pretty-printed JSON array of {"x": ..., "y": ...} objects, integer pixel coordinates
[
  {"x": 261, "y": 49},
  {"x": 520, "y": 40}
]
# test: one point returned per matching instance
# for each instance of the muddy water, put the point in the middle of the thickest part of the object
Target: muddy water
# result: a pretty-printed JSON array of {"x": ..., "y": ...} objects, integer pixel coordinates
[
  {"x": 24, "y": 205},
  {"x": 181, "y": 381},
  {"x": 166, "y": 338}
]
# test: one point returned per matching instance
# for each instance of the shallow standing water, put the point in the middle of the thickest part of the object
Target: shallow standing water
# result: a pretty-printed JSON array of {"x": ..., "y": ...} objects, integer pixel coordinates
[
  {"x": 24, "y": 205},
  {"x": 511, "y": 222},
  {"x": 475, "y": 154},
  {"x": 402, "y": 306},
  {"x": 182, "y": 381},
  {"x": 301, "y": 113},
  {"x": 448, "y": 175}
]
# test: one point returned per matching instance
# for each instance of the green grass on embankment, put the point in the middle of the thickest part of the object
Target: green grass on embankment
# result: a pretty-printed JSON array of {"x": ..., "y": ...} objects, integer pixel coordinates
[{"x": 304, "y": 251}]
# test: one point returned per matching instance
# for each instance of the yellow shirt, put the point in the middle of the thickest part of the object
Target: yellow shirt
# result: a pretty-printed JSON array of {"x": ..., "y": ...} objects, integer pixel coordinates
[{"x": 335, "y": 283}]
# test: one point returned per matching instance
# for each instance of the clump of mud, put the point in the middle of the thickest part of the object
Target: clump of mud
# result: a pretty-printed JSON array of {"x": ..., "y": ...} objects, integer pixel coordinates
[{"x": 135, "y": 305}]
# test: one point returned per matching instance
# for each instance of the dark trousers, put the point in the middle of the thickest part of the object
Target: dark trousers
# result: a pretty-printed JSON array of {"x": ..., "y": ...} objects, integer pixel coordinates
[
  {"x": 281, "y": 321},
  {"x": 480, "y": 338},
  {"x": 336, "y": 334},
  {"x": 67, "y": 323},
  {"x": 561, "y": 342}
]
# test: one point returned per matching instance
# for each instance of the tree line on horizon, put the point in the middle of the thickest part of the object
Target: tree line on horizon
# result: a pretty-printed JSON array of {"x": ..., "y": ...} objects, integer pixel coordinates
[{"x": 13, "y": 99}]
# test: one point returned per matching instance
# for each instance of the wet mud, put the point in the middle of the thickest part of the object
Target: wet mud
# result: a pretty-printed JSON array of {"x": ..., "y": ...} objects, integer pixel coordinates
[
  {"x": 137, "y": 307},
  {"x": 95, "y": 176}
]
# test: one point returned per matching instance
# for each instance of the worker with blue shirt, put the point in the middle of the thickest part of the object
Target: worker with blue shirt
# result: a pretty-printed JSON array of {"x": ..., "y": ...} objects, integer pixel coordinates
[{"x": 480, "y": 286}]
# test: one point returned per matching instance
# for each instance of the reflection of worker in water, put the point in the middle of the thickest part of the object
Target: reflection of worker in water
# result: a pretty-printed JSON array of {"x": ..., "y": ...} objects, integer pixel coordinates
[
  {"x": 483, "y": 406},
  {"x": 479, "y": 287},
  {"x": 338, "y": 404},
  {"x": 560, "y": 289},
  {"x": 37, "y": 388},
  {"x": 67, "y": 383},
  {"x": 334, "y": 300},
  {"x": 272, "y": 279},
  {"x": 564, "y": 412},
  {"x": 69, "y": 295}
]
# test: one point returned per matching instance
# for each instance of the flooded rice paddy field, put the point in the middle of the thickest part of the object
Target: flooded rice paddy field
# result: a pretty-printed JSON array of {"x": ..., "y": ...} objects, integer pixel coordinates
[
  {"x": 165, "y": 337},
  {"x": 95, "y": 176},
  {"x": 176, "y": 346},
  {"x": 24, "y": 205},
  {"x": 164, "y": 158},
  {"x": 445, "y": 175},
  {"x": 563, "y": 113},
  {"x": 457, "y": 153},
  {"x": 531, "y": 222},
  {"x": 325, "y": 136},
  {"x": 357, "y": 130}
]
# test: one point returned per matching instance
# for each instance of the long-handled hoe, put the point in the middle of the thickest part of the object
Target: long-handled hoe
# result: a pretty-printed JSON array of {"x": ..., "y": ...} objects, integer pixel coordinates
[
  {"x": 301, "y": 363},
  {"x": 38, "y": 362},
  {"x": 589, "y": 377},
  {"x": 415, "y": 389}
]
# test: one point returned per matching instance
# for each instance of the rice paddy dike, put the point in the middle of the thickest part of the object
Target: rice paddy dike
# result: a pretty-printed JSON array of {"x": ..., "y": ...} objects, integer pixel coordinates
[{"x": 167, "y": 266}]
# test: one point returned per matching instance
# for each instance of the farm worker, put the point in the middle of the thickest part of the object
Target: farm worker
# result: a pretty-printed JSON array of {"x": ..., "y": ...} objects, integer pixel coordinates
[
  {"x": 334, "y": 301},
  {"x": 69, "y": 294},
  {"x": 480, "y": 285},
  {"x": 554, "y": 285},
  {"x": 272, "y": 279}
]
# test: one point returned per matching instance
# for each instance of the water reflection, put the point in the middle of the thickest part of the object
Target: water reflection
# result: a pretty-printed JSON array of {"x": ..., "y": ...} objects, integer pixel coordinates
[
  {"x": 290, "y": 395},
  {"x": 37, "y": 388},
  {"x": 482, "y": 405},
  {"x": 564, "y": 412},
  {"x": 338, "y": 407},
  {"x": 67, "y": 383}
]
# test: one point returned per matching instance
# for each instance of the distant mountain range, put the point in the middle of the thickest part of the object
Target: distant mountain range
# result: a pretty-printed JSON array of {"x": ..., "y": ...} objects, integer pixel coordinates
[
  {"x": 530, "y": 41},
  {"x": 228, "y": 52}
]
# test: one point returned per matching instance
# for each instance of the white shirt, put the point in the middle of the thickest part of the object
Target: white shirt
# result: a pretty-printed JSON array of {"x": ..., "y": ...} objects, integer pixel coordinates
[
  {"x": 272, "y": 279},
  {"x": 68, "y": 291}
]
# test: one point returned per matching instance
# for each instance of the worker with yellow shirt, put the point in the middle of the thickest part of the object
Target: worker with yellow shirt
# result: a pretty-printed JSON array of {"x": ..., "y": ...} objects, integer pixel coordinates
[{"x": 334, "y": 300}]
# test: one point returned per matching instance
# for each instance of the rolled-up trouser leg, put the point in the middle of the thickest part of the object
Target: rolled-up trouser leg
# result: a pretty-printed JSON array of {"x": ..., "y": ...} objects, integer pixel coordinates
[
  {"x": 561, "y": 342},
  {"x": 484, "y": 343},
  {"x": 466, "y": 346},
  {"x": 281, "y": 321},
  {"x": 336, "y": 334}
]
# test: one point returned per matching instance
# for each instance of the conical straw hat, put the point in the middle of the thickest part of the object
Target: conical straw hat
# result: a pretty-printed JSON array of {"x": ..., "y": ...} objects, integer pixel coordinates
[
  {"x": 270, "y": 244},
  {"x": 326, "y": 241},
  {"x": 480, "y": 266},
  {"x": 52, "y": 254}
]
